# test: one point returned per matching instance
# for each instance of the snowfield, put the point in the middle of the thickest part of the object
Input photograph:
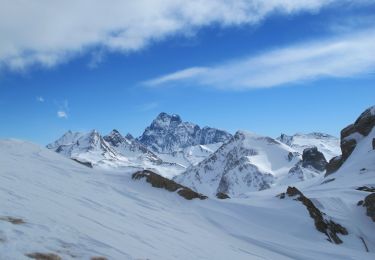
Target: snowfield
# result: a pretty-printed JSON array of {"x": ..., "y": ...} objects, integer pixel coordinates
[
  {"x": 77, "y": 213},
  {"x": 327, "y": 144}
]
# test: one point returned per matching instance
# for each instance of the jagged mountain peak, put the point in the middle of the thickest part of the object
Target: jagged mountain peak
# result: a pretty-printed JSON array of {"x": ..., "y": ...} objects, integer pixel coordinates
[
  {"x": 164, "y": 120},
  {"x": 67, "y": 138},
  {"x": 84, "y": 147},
  {"x": 129, "y": 136},
  {"x": 115, "y": 132},
  {"x": 168, "y": 133},
  {"x": 115, "y": 138}
]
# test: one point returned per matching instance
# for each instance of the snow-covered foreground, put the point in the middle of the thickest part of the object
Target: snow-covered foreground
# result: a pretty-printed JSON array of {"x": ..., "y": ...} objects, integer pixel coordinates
[{"x": 75, "y": 211}]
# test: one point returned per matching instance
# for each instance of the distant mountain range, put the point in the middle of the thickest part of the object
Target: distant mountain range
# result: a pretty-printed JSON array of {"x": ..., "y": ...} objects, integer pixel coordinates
[
  {"x": 205, "y": 159},
  {"x": 55, "y": 208}
]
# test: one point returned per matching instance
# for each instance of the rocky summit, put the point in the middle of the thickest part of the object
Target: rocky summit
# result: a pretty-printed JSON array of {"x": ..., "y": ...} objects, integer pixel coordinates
[
  {"x": 311, "y": 157},
  {"x": 168, "y": 133},
  {"x": 350, "y": 136}
]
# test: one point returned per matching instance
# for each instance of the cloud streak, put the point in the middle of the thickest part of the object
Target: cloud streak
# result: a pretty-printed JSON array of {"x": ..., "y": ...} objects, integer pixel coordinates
[
  {"x": 344, "y": 56},
  {"x": 48, "y": 33},
  {"x": 62, "y": 114}
]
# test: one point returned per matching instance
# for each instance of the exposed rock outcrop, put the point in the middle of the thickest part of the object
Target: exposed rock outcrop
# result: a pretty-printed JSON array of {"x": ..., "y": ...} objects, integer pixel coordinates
[
  {"x": 44, "y": 256},
  {"x": 311, "y": 157},
  {"x": 158, "y": 181},
  {"x": 322, "y": 224},
  {"x": 369, "y": 203},
  {"x": 349, "y": 137},
  {"x": 87, "y": 164},
  {"x": 12, "y": 220},
  {"x": 168, "y": 133},
  {"x": 312, "y": 164},
  {"x": 222, "y": 196},
  {"x": 367, "y": 189},
  {"x": 327, "y": 144}
]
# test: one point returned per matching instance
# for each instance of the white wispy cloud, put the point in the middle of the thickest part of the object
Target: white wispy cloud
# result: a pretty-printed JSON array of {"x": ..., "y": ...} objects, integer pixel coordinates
[
  {"x": 63, "y": 109},
  {"x": 51, "y": 32},
  {"x": 344, "y": 56},
  {"x": 62, "y": 114}
]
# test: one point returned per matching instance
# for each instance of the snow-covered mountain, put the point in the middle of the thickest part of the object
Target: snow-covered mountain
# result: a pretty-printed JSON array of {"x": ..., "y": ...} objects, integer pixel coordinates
[
  {"x": 168, "y": 134},
  {"x": 129, "y": 147},
  {"x": 248, "y": 162},
  {"x": 191, "y": 155},
  {"x": 85, "y": 147},
  {"x": 327, "y": 144},
  {"x": 112, "y": 151},
  {"x": 52, "y": 206},
  {"x": 168, "y": 146},
  {"x": 313, "y": 164}
]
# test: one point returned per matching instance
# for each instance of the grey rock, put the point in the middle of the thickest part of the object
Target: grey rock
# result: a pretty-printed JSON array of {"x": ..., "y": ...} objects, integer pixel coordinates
[
  {"x": 168, "y": 133},
  {"x": 362, "y": 127},
  {"x": 311, "y": 157}
]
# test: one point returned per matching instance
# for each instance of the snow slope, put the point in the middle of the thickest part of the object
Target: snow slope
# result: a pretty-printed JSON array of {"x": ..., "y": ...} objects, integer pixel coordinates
[
  {"x": 327, "y": 144},
  {"x": 191, "y": 155},
  {"x": 78, "y": 212}
]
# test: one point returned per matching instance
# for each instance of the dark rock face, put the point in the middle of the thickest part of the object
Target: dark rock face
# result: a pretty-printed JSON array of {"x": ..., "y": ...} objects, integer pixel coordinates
[
  {"x": 87, "y": 164},
  {"x": 367, "y": 189},
  {"x": 115, "y": 139},
  {"x": 311, "y": 157},
  {"x": 222, "y": 195},
  {"x": 327, "y": 181},
  {"x": 168, "y": 133},
  {"x": 158, "y": 181},
  {"x": 362, "y": 127},
  {"x": 12, "y": 220},
  {"x": 369, "y": 203},
  {"x": 127, "y": 144},
  {"x": 44, "y": 256},
  {"x": 326, "y": 226},
  {"x": 373, "y": 143},
  {"x": 334, "y": 164}
]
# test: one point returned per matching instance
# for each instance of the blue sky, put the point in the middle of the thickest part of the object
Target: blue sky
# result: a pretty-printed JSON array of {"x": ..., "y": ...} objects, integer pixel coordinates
[{"x": 282, "y": 66}]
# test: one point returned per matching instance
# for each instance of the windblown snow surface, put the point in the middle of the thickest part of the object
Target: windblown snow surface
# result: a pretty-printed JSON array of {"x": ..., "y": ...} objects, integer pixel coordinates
[{"x": 78, "y": 212}]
